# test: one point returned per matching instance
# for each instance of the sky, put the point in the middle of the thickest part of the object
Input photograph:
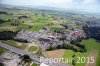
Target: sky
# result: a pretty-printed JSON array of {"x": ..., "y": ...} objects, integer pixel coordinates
[{"x": 84, "y": 5}]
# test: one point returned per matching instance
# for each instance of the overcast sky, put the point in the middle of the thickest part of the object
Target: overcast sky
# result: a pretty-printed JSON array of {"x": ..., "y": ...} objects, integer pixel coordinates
[{"x": 86, "y": 5}]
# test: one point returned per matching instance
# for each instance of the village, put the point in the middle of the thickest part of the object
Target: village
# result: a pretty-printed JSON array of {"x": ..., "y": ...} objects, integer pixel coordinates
[
  {"x": 46, "y": 38},
  {"x": 49, "y": 33},
  {"x": 43, "y": 39}
]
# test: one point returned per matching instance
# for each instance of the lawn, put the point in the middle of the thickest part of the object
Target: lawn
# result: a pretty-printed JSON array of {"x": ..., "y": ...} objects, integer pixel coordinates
[
  {"x": 5, "y": 24},
  {"x": 98, "y": 60},
  {"x": 33, "y": 49},
  {"x": 39, "y": 52},
  {"x": 57, "y": 28},
  {"x": 90, "y": 44},
  {"x": 38, "y": 21},
  {"x": 2, "y": 50},
  {"x": 34, "y": 64},
  {"x": 34, "y": 27},
  {"x": 5, "y": 17},
  {"x": 14, "y": 44},
  {"x": 22, "y": 26},
  {"x": 56, "y": 23}
]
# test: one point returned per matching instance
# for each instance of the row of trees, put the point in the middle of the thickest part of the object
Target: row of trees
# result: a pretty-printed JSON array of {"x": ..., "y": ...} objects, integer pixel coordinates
[
  {"x": 65, "y": 25},
  {"x": 1, "y": 64},
  {"x": 7, "y": 35},
  {"x": 92, "y": 31},
  {"x": 20, "y": 17},
  {"x": 3, "y": 12},
  {"x": 26, "y": 58},
  {"x": 2, "y": 21},
  {"x": 15, "y": 23},
  {"x": 81, "y": 46},
  {"x": 73, "y": 60},
  {"x": 68, "y": 46}
]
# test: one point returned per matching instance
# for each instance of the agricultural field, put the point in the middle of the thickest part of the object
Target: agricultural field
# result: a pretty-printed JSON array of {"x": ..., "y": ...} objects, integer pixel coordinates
[
  {"x": 31, "y": 20},
  {"x": 17, "y": 20},
  {"x": 55, "y": 53},
  {"x": 91, "y": 46}
]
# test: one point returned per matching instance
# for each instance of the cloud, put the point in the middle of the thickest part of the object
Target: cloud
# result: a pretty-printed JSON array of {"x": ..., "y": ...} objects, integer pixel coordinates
[
  {"x": 67, "y": 4},
  {"x": 50, "y": 2},
  {"x": 58, "y": 1},
  {"x": 90, "y": 2}
]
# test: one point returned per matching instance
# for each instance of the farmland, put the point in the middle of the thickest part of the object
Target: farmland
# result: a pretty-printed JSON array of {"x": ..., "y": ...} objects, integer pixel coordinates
[
  {"x": 32, "y": 20},
  {"x": 91, "y": 44}
]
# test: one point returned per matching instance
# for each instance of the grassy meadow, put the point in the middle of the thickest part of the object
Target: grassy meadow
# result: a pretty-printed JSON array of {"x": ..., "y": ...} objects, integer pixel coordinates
[{"x": 90, "y": 44}]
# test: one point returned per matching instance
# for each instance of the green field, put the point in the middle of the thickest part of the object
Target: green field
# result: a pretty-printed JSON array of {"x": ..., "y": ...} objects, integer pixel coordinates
[
  {"x": 91, "y": 44},
  {"x": 33, "y": 49},
  {"x": 2, "y": 50},
  {"x": 34, "y": 64},
  {"x": 13, "y": 43},
  {"x": 39, "y": 52},
  {"x": 36, "y": 20},
  {"x": 57, "y": 29},
  {"x": 98, "y": 59}
]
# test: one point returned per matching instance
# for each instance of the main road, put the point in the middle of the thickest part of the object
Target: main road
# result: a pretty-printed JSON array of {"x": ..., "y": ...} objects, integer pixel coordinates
[
  {"x": 32, "y": 56},
  {"x": 19, "y": 51}
]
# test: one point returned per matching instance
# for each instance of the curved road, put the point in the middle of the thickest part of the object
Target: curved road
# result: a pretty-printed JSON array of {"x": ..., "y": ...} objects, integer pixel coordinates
[
  {"x": 32, "y": 56},
  {"x": 21, "y": 52}
]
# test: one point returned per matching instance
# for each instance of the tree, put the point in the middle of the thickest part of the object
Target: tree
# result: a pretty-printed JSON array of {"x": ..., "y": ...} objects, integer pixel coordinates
[
  {"x": 63, "y": 38},
  {"x": 22, "y": 21},
  {"x": 30, "y": 26},
  {"x": 9, "y": 20},
  {"x": 65, "y": 25},
  {"x": 73, "y": 55},
  {"x": 26, "y": 58},
  {"x": 73, "y": 60},
  {"x": 50, "y": 48},
  {"x": 16, "y": 23},
  {"x": 1, "y": 64},
  {"x": 7, "y": 35},
  {"x": 73, "y": 41}
]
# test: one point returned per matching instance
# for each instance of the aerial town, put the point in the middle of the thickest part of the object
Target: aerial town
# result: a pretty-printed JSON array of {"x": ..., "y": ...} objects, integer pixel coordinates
[
  {"x": 43, "y": 39},
  {"x": 48, "y": 36}
]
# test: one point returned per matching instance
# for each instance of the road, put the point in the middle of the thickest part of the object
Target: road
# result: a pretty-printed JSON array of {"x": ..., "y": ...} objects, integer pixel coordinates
[
  {"x": 19, "y": 51},
  {"x": 32, "y": 56}
]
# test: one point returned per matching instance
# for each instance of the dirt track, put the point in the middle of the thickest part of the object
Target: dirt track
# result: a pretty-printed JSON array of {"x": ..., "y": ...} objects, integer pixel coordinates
[{"x": 93, "y": 53}]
